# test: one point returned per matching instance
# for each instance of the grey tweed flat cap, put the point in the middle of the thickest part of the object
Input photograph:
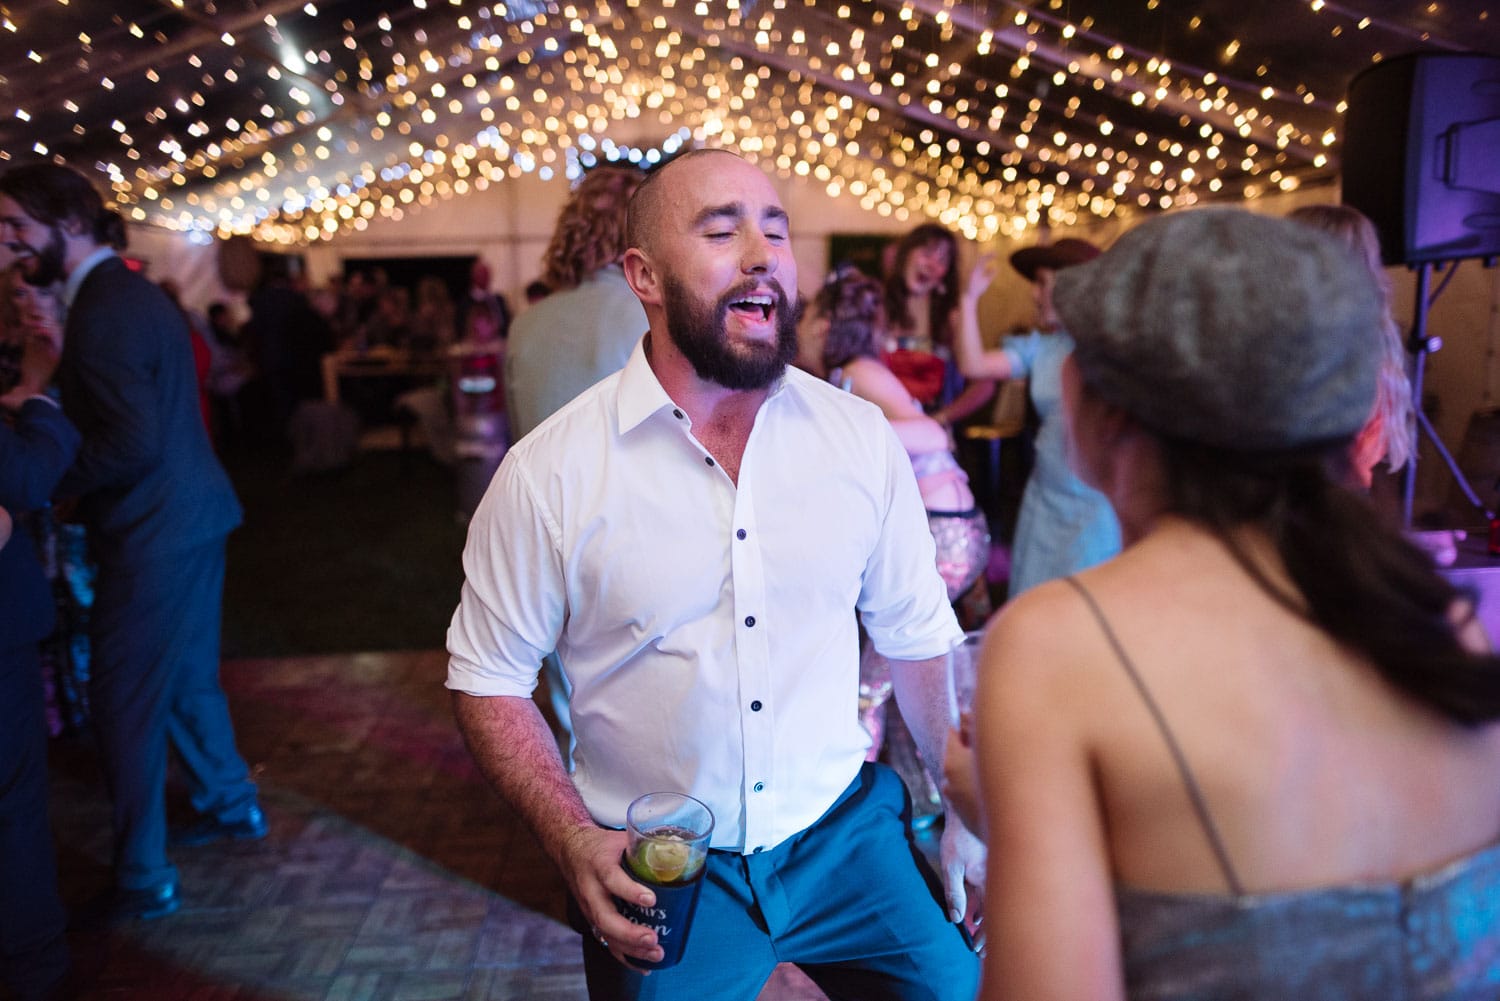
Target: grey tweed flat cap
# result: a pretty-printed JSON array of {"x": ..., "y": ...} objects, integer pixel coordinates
[{"x": 1228, "y": 328}]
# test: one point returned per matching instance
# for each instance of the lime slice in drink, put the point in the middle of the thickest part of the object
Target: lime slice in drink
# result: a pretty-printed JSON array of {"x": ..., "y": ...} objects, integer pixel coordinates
[{"x": 665, "y": 861}]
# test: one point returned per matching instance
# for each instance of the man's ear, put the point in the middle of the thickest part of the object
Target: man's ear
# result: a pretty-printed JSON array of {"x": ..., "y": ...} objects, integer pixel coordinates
[{"x": 644, "y": 278}]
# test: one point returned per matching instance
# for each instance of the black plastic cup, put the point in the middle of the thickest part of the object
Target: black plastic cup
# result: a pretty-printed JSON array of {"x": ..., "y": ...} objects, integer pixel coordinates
[{"x": 668, "y": 852}]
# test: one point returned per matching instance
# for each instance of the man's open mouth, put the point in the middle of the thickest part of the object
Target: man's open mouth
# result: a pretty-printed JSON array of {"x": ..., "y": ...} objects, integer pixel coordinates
[{"x": 759, "y": 305}]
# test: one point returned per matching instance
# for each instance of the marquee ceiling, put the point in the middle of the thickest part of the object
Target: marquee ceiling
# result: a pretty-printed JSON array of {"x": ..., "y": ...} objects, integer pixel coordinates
[{"x": 296, "y": 120}]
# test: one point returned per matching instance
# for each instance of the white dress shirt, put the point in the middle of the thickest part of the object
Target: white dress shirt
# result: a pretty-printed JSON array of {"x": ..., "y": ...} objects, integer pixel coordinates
[{"x": 708, "y": 630}]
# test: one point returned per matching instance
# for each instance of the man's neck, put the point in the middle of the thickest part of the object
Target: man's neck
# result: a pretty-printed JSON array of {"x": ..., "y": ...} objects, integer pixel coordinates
[
  {"x": 76, "y": 264},
  {"x": 76, "y": 249},
  {"x": 722, "y": 418},
  {"x": 702, "y": 400}
]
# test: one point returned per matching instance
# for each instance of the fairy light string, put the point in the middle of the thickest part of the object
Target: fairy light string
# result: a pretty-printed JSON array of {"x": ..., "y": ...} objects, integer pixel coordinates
[{"x": 294, "y": 120}]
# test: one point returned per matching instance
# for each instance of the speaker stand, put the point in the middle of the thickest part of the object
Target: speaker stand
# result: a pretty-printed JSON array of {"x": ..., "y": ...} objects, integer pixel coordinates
[{"x": 1420, "y": 345}]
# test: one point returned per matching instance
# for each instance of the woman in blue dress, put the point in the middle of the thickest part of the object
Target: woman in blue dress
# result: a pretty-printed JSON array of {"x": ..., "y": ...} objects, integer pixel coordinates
[{"x": 1064, "y": 525}]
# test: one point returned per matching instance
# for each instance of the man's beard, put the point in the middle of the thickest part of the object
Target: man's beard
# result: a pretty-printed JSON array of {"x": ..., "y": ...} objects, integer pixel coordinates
[
  {"x": 701, "y": 333},
  {"x": 41, "y": 267}
]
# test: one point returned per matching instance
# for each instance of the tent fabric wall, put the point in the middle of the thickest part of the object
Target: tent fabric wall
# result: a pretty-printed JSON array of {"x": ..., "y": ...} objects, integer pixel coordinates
[{"x": 510, "y": 223}]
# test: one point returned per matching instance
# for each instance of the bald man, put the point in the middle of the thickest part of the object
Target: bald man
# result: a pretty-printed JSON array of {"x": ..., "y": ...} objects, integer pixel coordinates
[{"x": 694, "y": 535}]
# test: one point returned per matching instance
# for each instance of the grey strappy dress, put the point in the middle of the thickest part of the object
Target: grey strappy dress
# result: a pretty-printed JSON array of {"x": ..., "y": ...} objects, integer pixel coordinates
[{"x": 1435, "y": 937}]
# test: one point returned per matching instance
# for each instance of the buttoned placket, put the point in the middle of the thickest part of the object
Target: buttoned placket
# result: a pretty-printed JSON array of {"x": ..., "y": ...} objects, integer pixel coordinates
[
  {"x": 753, "y": 660},
  {"x": 752, "y": 648}
]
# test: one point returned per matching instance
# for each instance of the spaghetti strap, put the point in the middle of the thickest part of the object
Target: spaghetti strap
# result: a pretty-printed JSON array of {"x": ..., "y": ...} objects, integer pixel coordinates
[{"x": 1195, "y": 793}]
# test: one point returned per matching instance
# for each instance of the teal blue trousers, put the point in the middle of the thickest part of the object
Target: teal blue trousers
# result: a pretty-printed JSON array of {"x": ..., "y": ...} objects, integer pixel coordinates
[{"x": 850, "y": 901}]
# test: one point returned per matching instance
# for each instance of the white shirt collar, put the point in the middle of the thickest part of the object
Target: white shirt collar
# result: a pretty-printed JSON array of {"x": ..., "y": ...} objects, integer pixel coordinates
[
  {"x": 78, "y": 274},
  {"x": 642, "y": 394}
]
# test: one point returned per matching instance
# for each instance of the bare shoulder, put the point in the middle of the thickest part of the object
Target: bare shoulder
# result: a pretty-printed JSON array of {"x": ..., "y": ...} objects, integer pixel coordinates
[
  {"x": 1040, "y": 652},
  {"x": 1035, "y": 617},
  {"x": 870, "y": 374},
  {"x": 1047, "y": 653}
]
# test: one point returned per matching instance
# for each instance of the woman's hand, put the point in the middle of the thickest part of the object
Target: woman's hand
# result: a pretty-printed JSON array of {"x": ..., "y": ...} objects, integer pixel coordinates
[
  {"x": 960, "y": 775},
  {"x": 38, "y": 363},
  {"x": 968, "y": 347},
  {"x": 40, "y": 320},
  {"x": 986, "y": 269}
]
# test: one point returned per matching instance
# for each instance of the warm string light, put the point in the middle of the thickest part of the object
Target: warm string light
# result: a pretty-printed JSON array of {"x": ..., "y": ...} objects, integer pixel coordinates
[{"x": 990, "y": 119}]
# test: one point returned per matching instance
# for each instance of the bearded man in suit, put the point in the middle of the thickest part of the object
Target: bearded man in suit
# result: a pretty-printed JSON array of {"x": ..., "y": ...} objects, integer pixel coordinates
[{"x": 158, "y": 508}]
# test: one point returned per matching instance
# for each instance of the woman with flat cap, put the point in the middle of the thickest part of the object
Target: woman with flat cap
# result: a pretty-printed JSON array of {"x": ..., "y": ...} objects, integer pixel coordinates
[
  {"x": 1257, "y": 754},
  {"x": 1064, "y": 525}
]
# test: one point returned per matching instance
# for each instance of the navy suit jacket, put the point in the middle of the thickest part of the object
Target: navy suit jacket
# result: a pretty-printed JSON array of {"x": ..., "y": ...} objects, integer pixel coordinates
[
  {"x": 34, "y": 453},
  {"x": 148, "y": 482}
]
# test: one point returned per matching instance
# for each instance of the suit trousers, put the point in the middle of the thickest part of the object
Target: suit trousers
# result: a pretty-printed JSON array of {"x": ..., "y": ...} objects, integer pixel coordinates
[
  {"x": 850, "y": 900},
  {"x": 155, "y": 630},
  {"x": 33, "y": 947}
]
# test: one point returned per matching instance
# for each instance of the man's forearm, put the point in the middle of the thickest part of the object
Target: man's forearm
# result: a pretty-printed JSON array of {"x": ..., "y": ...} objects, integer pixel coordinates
[
  {"x": 922, "y": 692},
  {"x": 921, "y": 688},
  {"x": 509, "y": 739},
  {"x": 510, "y": 742}
]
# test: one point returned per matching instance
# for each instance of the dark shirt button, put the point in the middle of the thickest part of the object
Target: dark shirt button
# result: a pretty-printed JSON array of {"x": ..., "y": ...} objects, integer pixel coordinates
[
  {"x": 708, "y": 459},
  {"x": 740, "y": 534},
  {"x": 760, "y": 786},
  {"x": 749, "y": 620},
  {"x": 755, "y": 706},
  {"x": 758, "y": 849},
  {"x": 677, "y": 414}
]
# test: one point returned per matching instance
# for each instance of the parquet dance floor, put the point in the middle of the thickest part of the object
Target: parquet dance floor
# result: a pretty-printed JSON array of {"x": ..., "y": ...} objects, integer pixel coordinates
[{"x": 391, "y": 870}]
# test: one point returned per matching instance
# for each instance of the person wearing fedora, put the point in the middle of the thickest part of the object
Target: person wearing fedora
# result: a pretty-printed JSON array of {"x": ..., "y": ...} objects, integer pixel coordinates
[{"x": 1064, "y": 525}]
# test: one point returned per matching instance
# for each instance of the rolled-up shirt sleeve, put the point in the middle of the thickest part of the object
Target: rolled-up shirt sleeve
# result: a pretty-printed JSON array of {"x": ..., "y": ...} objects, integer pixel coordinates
[
  {"x": 903, "y": 602},
  {"x": 512, "y": 606}
]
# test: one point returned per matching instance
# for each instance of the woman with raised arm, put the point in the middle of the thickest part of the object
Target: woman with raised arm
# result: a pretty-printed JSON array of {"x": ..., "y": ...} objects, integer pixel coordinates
[
  {"x": 1064, "y": 524},
  {"x": 1256, "y": 755}
]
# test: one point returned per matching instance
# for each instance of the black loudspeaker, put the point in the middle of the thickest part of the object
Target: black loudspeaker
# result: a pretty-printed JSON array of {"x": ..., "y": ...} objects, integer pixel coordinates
[{"x": 1421, "y": 155}]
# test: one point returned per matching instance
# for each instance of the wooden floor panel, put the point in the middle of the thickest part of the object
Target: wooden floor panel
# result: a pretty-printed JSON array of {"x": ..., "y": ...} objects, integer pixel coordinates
[{"x": 391, "y": 873}]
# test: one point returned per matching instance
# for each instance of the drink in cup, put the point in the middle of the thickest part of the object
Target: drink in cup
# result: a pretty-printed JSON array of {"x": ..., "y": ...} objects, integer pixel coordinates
[{"x": 667, "y": 850}]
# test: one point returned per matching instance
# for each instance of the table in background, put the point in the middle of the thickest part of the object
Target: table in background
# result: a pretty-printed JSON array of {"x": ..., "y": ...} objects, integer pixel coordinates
[{"x": 378, "y": 363}]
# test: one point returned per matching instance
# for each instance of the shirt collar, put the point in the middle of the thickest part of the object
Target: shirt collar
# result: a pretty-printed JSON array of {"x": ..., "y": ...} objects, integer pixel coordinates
[
  {"x": 610, "y": 270},
  {"x": 75, "y": 280},
  {"x": 642, "y": 395}
]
